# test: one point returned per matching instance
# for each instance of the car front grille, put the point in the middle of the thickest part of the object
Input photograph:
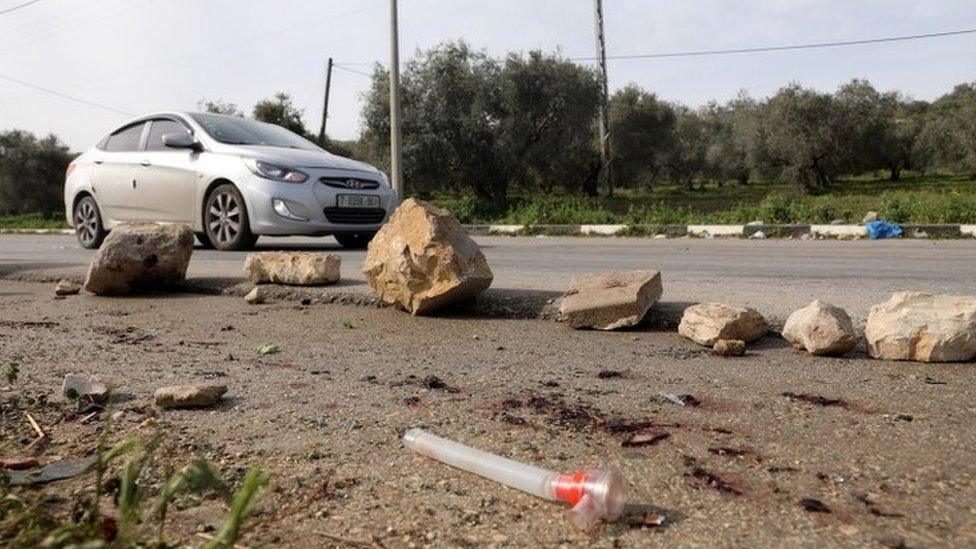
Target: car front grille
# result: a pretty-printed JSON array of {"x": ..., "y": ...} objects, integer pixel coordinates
[
  {"x": 349, "y": 183},
  {"x": 355, "y": 216}
]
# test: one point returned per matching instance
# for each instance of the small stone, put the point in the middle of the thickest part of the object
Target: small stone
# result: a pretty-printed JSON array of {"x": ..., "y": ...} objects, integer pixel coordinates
[
  {"x": 84, "y": 387},
  {"x": 66, "y": 287},
  {"x": 256, "y": 296},
  {"x": 923, "y": 327},
  {"x": 189, "y": 396},
  {"x": 821, "y": 329},
  {"x": 729, "y": 347},
  {"x": 609, "y": 301},
  {"x": 706, "y": 323},
  {"x": 292, "y": 268},
  {"x": 758, "y": 235}
]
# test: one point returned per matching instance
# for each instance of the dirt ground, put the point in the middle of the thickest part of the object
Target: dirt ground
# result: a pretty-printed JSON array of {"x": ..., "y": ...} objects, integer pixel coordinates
[{"x": 888, "y": 450}]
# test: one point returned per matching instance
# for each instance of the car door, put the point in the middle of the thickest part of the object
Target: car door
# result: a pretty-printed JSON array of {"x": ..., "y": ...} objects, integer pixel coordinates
[
  {"x": 165, "y": 178},
  {"x": 114, "y": 166}
]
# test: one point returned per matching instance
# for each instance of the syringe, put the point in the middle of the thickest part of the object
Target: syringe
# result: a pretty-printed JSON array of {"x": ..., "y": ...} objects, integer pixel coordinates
[{"x": 594, "y": 494}]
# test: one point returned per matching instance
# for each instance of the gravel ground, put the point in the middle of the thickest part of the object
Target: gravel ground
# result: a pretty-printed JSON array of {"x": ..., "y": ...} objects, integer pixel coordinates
[{"x": 891, "y": 459}]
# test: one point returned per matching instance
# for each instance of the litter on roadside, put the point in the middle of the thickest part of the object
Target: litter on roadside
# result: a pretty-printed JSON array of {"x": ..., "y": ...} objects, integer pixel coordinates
[
  {"x": 882, "y": 229},
  {"x": 57, "y": 470},
  {"x": 594, "y": 494}
]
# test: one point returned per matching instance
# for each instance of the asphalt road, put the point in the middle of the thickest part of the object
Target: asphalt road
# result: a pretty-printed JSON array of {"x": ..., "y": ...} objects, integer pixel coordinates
[{"x": 774, "y": 276}]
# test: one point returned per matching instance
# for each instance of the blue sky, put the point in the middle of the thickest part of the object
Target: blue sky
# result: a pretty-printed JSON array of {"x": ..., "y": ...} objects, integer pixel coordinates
[{"x": 144, "y": 55}]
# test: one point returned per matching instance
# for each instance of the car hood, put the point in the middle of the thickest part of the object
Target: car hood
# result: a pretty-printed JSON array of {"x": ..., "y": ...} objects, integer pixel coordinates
[{"x": 301, "y": 158}]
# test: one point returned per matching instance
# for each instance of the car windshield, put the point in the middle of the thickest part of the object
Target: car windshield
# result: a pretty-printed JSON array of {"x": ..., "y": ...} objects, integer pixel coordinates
[{"x": 233, "y": 130}]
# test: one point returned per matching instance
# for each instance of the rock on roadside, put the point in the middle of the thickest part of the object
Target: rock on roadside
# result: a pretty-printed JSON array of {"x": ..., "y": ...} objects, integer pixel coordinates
[
  {"x": 422, "y": 259},
  {"x": 923, "y": 327},
  {"x": 609, "y": 301},
  {"x": 189, "y": 396},
  {"x": 139, "y": 255},
  {"x": 84, "y": 387},
  {"x": 292, "y": 268},
  {"x": 66, "y": 287},
  {"x": 706, "y": 323},
  {"x": 256, "y": 296},
  {"x": 821, "y": 329},
  {"x": 729, "y": 347}
]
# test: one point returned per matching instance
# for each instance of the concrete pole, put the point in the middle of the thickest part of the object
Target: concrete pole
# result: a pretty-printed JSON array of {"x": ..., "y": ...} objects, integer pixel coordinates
[
  {"x": 396, "y": 168},
  {"x": 601, "y": 55},
  {"x": 325, "y": 105}
]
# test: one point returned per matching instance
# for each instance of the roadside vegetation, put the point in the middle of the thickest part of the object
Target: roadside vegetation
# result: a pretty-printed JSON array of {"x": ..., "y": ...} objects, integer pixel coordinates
[
  {"x": 135, "y": 485},
  {"x": 914, "y": 199}
]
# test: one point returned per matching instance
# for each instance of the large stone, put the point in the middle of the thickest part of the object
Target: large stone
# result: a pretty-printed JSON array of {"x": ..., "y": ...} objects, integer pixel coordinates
[
  {"x": 422, "y": 259},
  {"x": 821, "y": 329},
  {"x": 706, "y": 323},
  {"x": 608, "y": 301},
  {"x": 923, "y": 327},
  {"x": 140, "y": 255},
  {"x": 293, "y": 268},
  {"x": 189, "y": 396}
]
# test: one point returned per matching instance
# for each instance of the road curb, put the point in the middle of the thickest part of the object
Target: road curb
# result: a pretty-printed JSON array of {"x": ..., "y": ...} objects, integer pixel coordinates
[{"x": 751, "y": 230}]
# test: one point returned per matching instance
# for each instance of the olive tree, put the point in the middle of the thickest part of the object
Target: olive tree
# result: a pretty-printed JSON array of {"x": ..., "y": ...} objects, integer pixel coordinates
[
  {"x": 643, "y": 129},
  {"x": 32, "y": 173}
]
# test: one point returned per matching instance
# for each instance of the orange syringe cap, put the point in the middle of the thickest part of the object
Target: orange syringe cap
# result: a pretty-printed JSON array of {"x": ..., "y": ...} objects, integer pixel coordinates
[{"x": 594, "y": 494}]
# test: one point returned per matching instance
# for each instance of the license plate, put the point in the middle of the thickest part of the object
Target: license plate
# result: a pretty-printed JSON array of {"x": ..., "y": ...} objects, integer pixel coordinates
[{"x": 357, "y": 201}]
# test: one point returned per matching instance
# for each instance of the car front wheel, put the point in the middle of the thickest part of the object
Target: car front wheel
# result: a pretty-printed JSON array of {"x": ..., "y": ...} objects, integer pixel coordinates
[
  {"x": 88, "y": 223},
  {"x": 225, "y": 220}
]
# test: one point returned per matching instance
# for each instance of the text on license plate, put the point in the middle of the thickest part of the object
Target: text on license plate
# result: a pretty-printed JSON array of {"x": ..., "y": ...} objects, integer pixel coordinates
[{"x": 357, "y": 201}]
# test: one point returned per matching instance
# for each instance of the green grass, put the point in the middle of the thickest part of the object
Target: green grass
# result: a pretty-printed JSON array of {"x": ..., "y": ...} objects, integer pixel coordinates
[
  {"x": 32, "y": 221},
  {"x": 939, "y": 199},
  {"x": 914, "y": 199}
]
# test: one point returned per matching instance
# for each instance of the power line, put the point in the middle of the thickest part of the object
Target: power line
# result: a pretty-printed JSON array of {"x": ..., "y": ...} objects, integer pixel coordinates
[
  {"x": 18, "y": 6},
  {"x": 762, "y": 49},
  {"x": 343, "y": 66},
  {"x": 64, "y": 95}
]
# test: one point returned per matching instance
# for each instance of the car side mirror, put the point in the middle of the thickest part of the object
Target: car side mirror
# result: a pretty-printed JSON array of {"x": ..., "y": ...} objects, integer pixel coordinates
[{"x": 181, "y": 140}]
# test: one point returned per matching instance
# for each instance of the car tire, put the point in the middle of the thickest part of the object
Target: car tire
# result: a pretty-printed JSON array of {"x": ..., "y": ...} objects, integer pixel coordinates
[
  {"x": 354, "y": 241},
  {"x": 87, "y": 221},
  {"x": 225, "y": 219}
]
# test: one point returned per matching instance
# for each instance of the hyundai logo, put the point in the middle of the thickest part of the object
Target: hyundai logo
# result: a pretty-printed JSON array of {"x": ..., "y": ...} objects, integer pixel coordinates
[{"x": 354, "y": 184}]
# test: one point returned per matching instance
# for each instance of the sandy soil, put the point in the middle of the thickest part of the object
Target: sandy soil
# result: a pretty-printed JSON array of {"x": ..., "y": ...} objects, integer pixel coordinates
[{"x": 892, "y": 459}]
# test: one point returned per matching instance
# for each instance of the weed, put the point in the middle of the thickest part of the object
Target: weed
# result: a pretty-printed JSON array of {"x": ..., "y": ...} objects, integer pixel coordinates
[
  {"x": 12, "y": 371},
  {"x": 268, "y": 349}
]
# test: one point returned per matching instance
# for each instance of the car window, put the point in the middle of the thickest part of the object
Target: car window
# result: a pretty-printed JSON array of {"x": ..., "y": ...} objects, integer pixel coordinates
[
  {"x": 233, "y": 130},
  {"x": 160, "y": 128},
  {"x": 126, "y": 139}
]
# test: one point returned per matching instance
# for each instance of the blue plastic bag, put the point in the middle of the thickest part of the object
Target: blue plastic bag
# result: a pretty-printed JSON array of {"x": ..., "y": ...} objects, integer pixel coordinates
[{"x": 883, "y": 229}]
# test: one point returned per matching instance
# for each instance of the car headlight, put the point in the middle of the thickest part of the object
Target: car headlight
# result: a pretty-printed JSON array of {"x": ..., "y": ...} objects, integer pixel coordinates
[
  {"x": 384, "y": 179},
  {"x": 268, "y": 170}
]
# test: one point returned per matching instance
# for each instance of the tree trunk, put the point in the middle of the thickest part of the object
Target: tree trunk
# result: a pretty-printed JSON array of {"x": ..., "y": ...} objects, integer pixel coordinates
[
  {"x": 895, "y": 173},
  {"x": 591, "y": 180}
]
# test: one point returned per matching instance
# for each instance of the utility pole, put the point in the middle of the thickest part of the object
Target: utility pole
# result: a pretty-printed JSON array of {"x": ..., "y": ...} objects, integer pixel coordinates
[
  {"x": 601, "y": 55},
  {"x": 396, "y": 169},
  {"x": 325, "y": 106}
]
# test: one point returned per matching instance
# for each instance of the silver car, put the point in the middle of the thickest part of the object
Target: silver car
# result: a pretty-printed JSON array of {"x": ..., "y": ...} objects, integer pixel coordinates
[{"x": 231, "y": 179}]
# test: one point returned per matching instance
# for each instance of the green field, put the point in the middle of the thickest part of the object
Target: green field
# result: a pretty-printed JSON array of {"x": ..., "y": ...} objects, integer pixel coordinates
[
  {"x": 939, "y": 199},
  {"x": 32, "y": 221},
  {"x": 916, "y": 199}
]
